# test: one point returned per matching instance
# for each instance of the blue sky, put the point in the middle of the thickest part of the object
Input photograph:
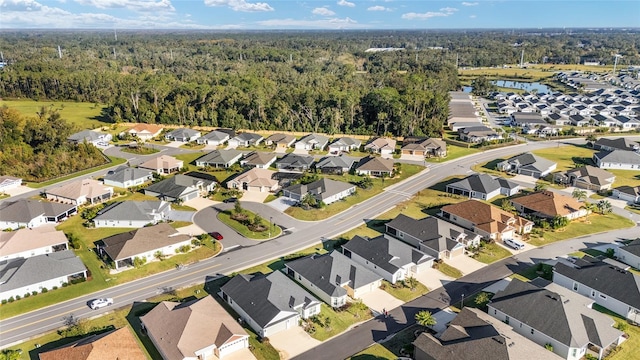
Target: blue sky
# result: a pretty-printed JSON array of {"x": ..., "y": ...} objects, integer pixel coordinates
[{"x": 316, "y": 14}]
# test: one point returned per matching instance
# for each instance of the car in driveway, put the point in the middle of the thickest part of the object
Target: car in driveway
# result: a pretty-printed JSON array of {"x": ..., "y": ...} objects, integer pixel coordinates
[
  {"x": 216, "y": 235},
  {"x": 230, "y": 200},
  {"x": 100, "y": 303},
  {"x": 514, "y": 244}
]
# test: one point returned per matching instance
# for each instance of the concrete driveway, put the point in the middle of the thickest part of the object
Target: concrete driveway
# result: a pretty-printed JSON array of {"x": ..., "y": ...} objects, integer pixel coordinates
[
  {"x": 19, "y": 190},
  {"x": 254, "y": 196},
  {"x": 177, "y": 215},
  {"x": 242, "y": 354},
  {"x": 432, "y": 278},
  {"x": 282, "y": 203},
  {"x": 526, "y": 181},
  {"x": 465, "y": 264},
  {"x": 379, "y": 300},
  {"x": 442, "y": 319},
  {"x": 200, "y": 203},
  {"x": 301, "y": 151},
  {"x": 292, "y": 342}
]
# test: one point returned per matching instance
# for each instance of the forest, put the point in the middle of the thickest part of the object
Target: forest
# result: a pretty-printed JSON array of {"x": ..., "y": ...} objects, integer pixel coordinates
[
  {"x": 36, "y": 148},
  {"x": 299, "y": 81}
]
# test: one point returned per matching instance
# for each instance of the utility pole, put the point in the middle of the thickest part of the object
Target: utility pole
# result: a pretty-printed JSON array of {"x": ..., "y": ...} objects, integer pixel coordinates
[
  {"x": 114, "y": 54},
  {"x": 59, "y": 52},
  {"x": 115, "y": 35},
  {"x": 615, "y": 63},
  {"x": 522, "y": 59}
]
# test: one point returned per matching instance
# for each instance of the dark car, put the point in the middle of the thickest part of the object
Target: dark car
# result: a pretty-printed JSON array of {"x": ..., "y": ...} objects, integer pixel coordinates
[
  {"x": 216, "y": 235},
  {"x": 230, "y": 200}
]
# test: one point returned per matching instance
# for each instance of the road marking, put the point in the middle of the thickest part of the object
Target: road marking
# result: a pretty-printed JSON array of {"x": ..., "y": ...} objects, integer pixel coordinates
[{"x": 117, "y": 296}]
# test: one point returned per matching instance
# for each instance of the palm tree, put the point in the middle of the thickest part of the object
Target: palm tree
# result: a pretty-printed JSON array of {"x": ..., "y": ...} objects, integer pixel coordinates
[
  {"x": 604, "y": 206},
  {"x": 482, "y": 299},
  {"x": 589, "y": 207},
  {"x": 579, "y": 195},
  {"x": 425, "y": 318},
  {"x": 411, "y": 282},
  {"x": 506, "y": 205},
  {"x": 540, "y": 186}
]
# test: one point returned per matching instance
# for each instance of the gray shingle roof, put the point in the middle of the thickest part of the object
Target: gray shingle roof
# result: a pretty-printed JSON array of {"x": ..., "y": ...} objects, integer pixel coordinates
[
  {"x": 250, "y": 137},
  {"x": 329, "y": 271},
  {"x": 219, "y": 157},
  {"x": 183, "y": 133},
  {"x": 529, "y": 161},
  {"x": 320, "y": 189},
  {"x": 125, "y": 173},
  {"x": 25, "y": 210},
  {"x": 619, "y": 156},
  {"x": 432, "y": 232},
  {"x": 619, "y": 143},
  {"x": 607, "y": 279},
  {"x": 591, "y": 175},
  {"x": 133, "y": 210},
  {"x": 373, "y": 163},
  {"x": 481, "y": 183},
  {"x": 264, "y": 297},
  {"x": 88, "y": 135},
  {"x": 346, "y": 141},
  {"x": 17, "y": 273},
  {"x": 342, "y": 161},
  {"x": 292, "y": 160},
  {"x": 556, "y": 312},
  {"x": 176, "y": 186},
  {"x": 135, "y": 242},
  {"x": 216, "y": 135},
  {"x": 388, "y": 254}
]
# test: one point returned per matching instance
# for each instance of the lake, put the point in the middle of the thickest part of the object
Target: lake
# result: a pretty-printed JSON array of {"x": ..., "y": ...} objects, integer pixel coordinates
[{"x": 527, "y": 86}]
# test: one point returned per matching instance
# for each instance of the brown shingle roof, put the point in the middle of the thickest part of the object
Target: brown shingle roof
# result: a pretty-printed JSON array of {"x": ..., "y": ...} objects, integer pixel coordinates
[
  {"x": 132, "y": 243},
  {"x": 116, "y": 344},
  {"x": 375, "y": 164},
  {"x": 549, "y": 203},
  {"x": 485, "y": 217}
]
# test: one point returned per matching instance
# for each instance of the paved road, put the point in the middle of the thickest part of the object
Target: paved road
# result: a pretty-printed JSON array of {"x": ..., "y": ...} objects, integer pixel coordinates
[
  {"x": 380, "y": 328},
  {"x": 43, "y": 320}
]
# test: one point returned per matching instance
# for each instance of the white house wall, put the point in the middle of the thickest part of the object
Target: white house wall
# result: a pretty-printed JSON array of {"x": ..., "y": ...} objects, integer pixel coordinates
[
  {"x": 392, "y": 278},
  {"x": 34, "y": 252},
  {"x": 332, "y": 301},
  {"x": 49, "y": 284},
  {"x": 122, "y": 223},
  {"x": 628, "y": 258},
  {"x": 13, "y": 225}
]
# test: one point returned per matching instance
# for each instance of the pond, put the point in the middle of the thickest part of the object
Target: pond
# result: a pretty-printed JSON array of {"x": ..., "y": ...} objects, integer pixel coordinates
[{"x": 527, "y": 86}]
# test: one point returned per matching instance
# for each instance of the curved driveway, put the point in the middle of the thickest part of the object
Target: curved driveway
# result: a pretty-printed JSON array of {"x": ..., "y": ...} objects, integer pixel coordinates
[{"x": 39, "y": 321}]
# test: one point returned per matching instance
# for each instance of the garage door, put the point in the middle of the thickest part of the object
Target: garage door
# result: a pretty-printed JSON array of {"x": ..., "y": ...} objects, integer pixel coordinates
[
  {"x": 234, "y": 346},
  {"x": 191, "y": 196}
]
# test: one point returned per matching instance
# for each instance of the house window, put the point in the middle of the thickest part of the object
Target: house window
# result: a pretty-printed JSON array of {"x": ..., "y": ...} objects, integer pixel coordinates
[
  {"x": 495, "y": 311},
  {"x": 506, "y": 320},
  {"x": 531, "y": 331},
  {"x": 602, "y": 296},
  {"x": 593, "y": 293},
  {"x": 575, "y": 286},
  {"x": 573, "y": 353}
]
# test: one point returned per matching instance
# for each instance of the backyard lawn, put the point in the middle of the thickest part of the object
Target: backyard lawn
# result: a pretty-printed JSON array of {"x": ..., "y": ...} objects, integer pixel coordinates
[
  {"x": 567, "y": 156},
  {"x": 596, "y": 224},
  {"x": 340, "y": 320},
  {"x": 491, "y": 252},
  {"x": 84, "y": 115}
]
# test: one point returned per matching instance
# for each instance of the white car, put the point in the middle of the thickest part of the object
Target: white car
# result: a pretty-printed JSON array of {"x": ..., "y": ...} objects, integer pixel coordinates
[{"x": 100, "y": 303}]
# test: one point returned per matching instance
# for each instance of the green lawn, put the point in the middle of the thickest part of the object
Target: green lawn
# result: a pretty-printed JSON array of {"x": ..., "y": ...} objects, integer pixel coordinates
[
  {"x": 628, "y": 350},
  {"x": 82, "y": 114},
  {"x": 534, "y": 271},
  {"x": 278, "y": 264},
  {"x": 454, "y": 152},
  {"x": 340, "y": 320},
  {"x": 375, "y": 352},
  {"x": 360, "y": 195},
  {"x": 491, "y": 252},
  {"x": 567, "y": 156},
  {"x": 189, "y": 159},
  {"x": 449, "y": 270},
  {"x": 404, "y": 293},
  {"x": 243, "y": 230},
  {"x": 625, "y": 177},
  {"x": 142, "y": 150},
  {"x": 596, "y": 224},
  {"x": 113, "y": 161}
]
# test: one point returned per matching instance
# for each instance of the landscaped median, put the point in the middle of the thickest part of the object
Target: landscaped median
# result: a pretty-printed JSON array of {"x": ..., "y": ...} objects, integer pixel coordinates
[{"x": 249, "y": 224}]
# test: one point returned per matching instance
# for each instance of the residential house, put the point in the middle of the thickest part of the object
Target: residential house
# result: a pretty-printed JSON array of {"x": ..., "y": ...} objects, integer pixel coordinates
[
  {"x": 522, "y": 119},
  {"x": 549, "y": 204},
  {"x": 163, "y": 164},
  {"x": 332, "y": 277},
  {"x": 433, "y": 236},
  {"x": 219, "y": 158},
  {"x": 126, "y": 177},
  {"x": 547, "y": 313},
  {"x": 629, "y": 253},
  {"x": 528, "y": 164},
  {"x": 486, "y": 220},
  {"x": 375, "y": 166},
  {"x": 628, "y": 123},
  {"x": 579, "y": 120},
  {"x": 280, "y": 141},
  {"x": 478, "y": 134},
  {"x": 144, "y": 132},
  {"x": 183, "y": 135},
  {"x": 617, "y": 159},
  {"x": 26, "y": 243},
  {"x": 214, "y": 138},
  {"x": 259, "y": 159},
  {"x": 197, "y": 329},
  {"x": 312, "y": 142},
  {"x": 20, "y": 276},
  {"x": 459, "y": 125},
  {"x": 9, "y": 182},
  {"x": 181, "y": 187},
  {"x": 558, "y": 119},
  {"x": 323, "y": 190},
  {"x": 255, "y": 179},
  {"x": 608, "y": 144},
  {"x": 344, "y": 144},
  {"x": 425, "y": 147},
  {"x": 90, "y": 137},
  {"x": 628, "y": 193},
  {"x": 607, "y": 285},
  {"x": 269, "y": 303},
  {"x": 473, "y": 335},
  {"x": 134, "y": 214},
  {"x": 31, "y": 213},
  {"x": 295, "y": 162},
  {"x": 80, "y": 192},
  {"x": 586, "y": 177},
  {"x": 382, "y": 146},
  {"x": 145, "y": 244},
  {"x": 245, "y": 140},
  {"x": 341, "y": 164},
  {"x": 390, "y": 258},
  {"x": 483, "y": 186},
  {"x": 114, "y": 344}
]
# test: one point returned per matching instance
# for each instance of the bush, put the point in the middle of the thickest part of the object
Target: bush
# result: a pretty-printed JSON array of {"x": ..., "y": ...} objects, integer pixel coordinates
[
  {"x": 184, "y": 248},
  {"x": 4, "y": 301},
  {"x": 26, "y": 295},
  {"x": 548, "y": 346},
  {"x": 34, "y": 293},
  {"x": 65, "y": 284},
  {"x": 44, "y": 290},
  {"x": 11, "y": 299},
  {"x": 18, "y": 297}
]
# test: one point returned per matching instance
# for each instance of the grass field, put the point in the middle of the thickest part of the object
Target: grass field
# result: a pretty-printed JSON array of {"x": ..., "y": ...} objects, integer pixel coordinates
[
  {"x": 243, "y": 230},
  {"x": 83, "y": 115},
  {"x": 454, "y": 152},
  {"x": 405, "y": 293},
  {"x": 596, "y": 224},
  {"x": 567, "y": 156},
  {"x": 114, "y": 161},
  {"x": 492, "y": 252},
  {"x": 530, "y": 73}
]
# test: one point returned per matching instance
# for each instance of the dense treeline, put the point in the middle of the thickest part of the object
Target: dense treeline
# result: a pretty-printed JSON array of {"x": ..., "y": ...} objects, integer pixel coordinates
[
  {"x": 36, "y": 148},
  {"x": 303, "y": 81}
]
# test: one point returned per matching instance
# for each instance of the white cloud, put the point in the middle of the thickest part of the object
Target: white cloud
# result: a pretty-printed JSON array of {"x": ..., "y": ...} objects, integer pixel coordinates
[
  {"x": 378, "y": 8},
  {"x": 134, "y": 5},
  {"x": 472, "y": 16},
  {"x": 346, "y": 3},
  {"x": 240, "y": 5},
  {"x": 334, "y": 23},
  {"x": 465, "y": 3},
  {"x": 444, "y": 12},
  {"x": 323, "y": 11}
]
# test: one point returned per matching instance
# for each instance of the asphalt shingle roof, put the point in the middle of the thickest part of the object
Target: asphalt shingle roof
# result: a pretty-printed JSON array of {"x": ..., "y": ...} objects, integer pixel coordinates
[
  {"x": 20, "y": 272},
  {"x": 388, "y": 254},
  {"x": 132, "y": 210},
  {"x": 25, "y": 210},
  {"x": 125, "y": 173},
  {"x": 432, "y": 232},
  {"x": 135, "y": 242}
]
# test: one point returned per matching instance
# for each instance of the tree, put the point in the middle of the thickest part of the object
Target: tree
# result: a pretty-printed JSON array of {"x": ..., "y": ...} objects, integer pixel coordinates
[
  {"x": 411, "y": 282},
  {"x": 425, "y": 318},
  {"x": 257, "y": 220},
  {"x": 158, "y": 255},
  {"x": 482, "y": 86},
  {"x": 540, "y": 186},
  {"x": 579, "y": 195},
  {"x": 590, "y": 207},
  {"x": 506, "y": 205},
  {"x": 308, "y": 201},
  {"x": 482, "y": 299},
  {"x": 591, "y": 139},
  {"x": 604, "y": 207},
  {"x": 7, "y": 354},
  {"x": 237, "y": 207},
  {"x": 559, "y": 222}
]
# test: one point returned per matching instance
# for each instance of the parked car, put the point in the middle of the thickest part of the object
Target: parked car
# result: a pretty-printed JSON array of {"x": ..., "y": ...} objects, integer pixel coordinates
[
  {"x": 216, "y": 235},
  {"x": 100, "y": 303},
  {"x": 230, "y": 200},
  {"x": 514, "y": 244}
]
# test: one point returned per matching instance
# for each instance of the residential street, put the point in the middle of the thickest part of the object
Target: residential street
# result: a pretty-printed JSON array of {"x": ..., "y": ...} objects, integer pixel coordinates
[{"x": 303, "y": 235}]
